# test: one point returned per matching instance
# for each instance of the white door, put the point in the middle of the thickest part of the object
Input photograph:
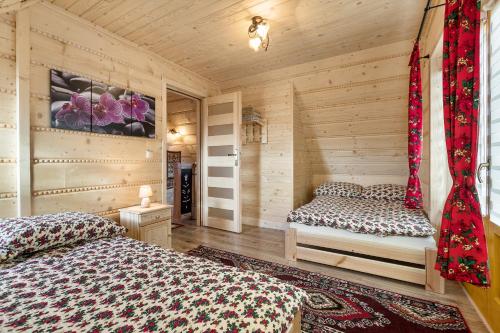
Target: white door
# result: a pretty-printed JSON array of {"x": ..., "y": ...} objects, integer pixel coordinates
[{"x": 221, "y": 123}]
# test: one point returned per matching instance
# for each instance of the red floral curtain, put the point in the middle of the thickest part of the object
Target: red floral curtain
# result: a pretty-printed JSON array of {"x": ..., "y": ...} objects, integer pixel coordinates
[
  {"x": 462, "y": 253},
  {"x": 413, "y": 197}
]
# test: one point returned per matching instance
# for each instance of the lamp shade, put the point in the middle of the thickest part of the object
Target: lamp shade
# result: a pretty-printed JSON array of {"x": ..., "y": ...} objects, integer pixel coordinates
[{"x": 145, "y": 191}]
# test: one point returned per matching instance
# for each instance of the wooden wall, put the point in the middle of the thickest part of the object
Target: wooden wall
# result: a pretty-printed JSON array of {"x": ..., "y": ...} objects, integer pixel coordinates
[
  {"x": 349, "y": 110},
  {"x": 267, "y": 169},
  {"x": 8, "y": 187},
  {"x": 302, "y": 175},
  {"x": 88, "y": 171},
  {"x": 354, "y": 116},
  {"x": 182, "y": 116}
]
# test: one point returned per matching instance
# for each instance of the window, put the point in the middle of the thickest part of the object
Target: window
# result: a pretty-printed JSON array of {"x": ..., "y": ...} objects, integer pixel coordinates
[
  {"x": 440, "y": 177},
  {"x": 495, "y": 116},
  {"x": 482, "y": 182},
  {"x": 489, "y": 122}
]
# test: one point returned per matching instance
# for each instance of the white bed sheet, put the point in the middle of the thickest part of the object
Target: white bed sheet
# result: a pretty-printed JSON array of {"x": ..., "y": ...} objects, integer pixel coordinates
[{"x": 401, "y": 242}]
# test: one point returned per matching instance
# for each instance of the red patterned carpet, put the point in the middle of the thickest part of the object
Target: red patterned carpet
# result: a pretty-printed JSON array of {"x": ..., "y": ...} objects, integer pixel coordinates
[{"x": 336, "y": 305}]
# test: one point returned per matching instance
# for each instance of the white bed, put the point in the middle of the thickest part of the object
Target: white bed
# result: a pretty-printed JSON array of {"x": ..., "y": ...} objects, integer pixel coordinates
[{"x": 319, "y": 232}]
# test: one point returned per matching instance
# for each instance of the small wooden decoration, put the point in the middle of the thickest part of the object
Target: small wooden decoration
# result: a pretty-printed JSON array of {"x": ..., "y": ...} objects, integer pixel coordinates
[{"x": 254, "y": 128}]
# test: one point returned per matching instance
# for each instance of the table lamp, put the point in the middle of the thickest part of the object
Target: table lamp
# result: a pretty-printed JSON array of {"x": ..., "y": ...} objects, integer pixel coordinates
[{"x": 144, "y": 193}]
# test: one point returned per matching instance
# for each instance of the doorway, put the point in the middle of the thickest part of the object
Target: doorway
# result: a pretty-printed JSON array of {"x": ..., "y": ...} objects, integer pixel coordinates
[
  {"x": 202, "y": 154},
  {"x": 183, "y": 158}
]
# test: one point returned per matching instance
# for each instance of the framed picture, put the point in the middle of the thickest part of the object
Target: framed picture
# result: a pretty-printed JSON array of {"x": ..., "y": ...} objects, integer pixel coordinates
[{"x": 81, "y": 104}]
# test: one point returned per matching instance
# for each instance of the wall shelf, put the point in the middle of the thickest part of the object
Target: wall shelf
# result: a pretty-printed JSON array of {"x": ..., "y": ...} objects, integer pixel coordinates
[
  {"x": 254, "y": 132},
  {"x": 253, "y": 128}
]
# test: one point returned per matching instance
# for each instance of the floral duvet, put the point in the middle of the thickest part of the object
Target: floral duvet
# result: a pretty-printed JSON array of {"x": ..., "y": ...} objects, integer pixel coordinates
[
  {"x": 122, "y": 285},
  {"x": 368, "y": 216}
]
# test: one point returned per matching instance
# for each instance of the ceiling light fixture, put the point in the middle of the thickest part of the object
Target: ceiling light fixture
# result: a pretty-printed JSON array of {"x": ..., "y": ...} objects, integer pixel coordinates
[{"x": 258, "y": 32}]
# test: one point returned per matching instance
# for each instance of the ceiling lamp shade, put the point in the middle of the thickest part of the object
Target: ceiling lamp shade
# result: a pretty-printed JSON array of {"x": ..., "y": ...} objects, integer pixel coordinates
[
  {"x": 258, "y": 32},
  {"x": 254, "y": 43}
]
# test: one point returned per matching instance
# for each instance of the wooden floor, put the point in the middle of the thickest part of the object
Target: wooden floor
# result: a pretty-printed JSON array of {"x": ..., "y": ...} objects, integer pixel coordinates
[{"x": 268, "y": 244}]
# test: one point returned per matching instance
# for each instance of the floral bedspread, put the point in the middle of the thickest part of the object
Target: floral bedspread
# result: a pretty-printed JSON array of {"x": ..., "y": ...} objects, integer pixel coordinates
[
  {"x": 368, "y": 216},
  {"x": 122, "y": 285}
]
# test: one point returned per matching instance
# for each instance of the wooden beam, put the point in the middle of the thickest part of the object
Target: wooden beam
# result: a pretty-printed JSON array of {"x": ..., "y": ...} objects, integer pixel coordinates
[
  {"x": 164, "y": 143},
  {"x": 433, "y": 281},
  {"x": 291, "y": 244},
  {"x": 23, "y": 51},
  {"x": 296, "y": 326},
  {"x": 16, "y": 5}
]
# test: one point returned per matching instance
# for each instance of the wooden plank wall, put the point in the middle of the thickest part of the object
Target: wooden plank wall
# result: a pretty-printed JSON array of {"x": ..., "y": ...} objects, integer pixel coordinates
[
  {"x": 267, "y": 169},
  {"x": 88, "y": 171},
  {"x": 8, "y": 187},
  {"x": 302, "y": 175},
  {"x": 353, "y": 115},
  {"x": 182, "y": 116}
]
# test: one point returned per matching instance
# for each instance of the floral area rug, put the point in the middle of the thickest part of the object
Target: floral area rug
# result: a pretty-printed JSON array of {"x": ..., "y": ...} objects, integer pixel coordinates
[{"x": 336, "y": 305}]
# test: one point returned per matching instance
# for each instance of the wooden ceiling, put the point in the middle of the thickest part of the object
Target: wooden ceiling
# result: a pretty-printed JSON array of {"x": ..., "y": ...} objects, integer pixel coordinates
[{"x": 210, "y": 36}]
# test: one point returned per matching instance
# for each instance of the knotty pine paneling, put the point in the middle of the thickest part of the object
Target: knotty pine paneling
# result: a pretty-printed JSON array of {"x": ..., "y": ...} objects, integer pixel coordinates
[
  {"x": 91, "y": 199},
  {"x": 208, "y": 36},
  {"x": 88, "y": 171},
  {"x": 182, "y": 115},
  {"x": 48, "y": 20},
  {"x": 354, "y": 116},
  {"x": 8, "y": 185},
  {"x": 302, "y": 175},
  {"x": 349, "y": 123}
]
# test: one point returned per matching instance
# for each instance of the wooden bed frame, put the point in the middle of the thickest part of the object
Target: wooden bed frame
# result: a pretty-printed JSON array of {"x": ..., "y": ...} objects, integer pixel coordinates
[
  {"x": 296, "y": 326},
  {"x": 366, "y": 257}
]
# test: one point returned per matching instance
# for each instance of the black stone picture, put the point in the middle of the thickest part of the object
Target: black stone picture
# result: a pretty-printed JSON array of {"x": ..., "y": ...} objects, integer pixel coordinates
[
  {"x": 186, "y": 193},
  {"x": 81, "y": 104}
]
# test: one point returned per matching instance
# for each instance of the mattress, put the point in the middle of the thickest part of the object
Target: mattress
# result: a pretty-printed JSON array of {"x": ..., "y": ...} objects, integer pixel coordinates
[
  {"x": 122, "y": 285},
  {"x": 400, "y": 242},
  {"x": 367, "y": 216}
]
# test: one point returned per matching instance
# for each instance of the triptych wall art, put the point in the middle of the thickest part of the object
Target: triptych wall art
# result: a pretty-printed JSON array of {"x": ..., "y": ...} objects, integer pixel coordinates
[{"x": 81, "y": 104}]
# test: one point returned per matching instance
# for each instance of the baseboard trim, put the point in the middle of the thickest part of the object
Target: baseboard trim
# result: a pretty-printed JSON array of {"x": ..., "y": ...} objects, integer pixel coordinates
[{"x": 265, "y": 224}]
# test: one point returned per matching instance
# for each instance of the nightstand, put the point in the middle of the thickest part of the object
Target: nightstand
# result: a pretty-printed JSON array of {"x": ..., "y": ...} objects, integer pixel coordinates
[{"x": 151, "y": 225}]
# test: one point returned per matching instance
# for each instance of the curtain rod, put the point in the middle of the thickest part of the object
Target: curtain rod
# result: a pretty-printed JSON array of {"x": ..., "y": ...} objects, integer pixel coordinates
[{"x": 426, "y": 9}]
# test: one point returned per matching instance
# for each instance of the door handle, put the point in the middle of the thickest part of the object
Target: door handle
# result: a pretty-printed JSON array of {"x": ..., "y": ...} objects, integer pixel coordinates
[
  {"x": 236, "y": 156},
  {"x": 485, "y": 165}
]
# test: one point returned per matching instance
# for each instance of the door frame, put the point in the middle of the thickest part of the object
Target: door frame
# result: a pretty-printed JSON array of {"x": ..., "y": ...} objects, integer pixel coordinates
[
  {"x": 198, "y": 97},
  {"x": 220, "y": 98}
]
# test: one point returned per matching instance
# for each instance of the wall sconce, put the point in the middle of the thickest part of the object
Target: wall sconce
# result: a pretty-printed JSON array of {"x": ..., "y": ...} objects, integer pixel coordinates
[
  {"x": 175, "y": 133},
  {"x": 258, "y": 32},
  {"x": 149, "y": 154}
]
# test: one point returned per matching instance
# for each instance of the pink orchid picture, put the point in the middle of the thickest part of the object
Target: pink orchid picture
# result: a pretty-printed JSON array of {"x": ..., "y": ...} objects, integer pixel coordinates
[
  {"x": 80, "y": 104},
  {"x": 107, "y": 111},
  {"x": 76, "y": 113},
  {"x": 135, "y": 107}
]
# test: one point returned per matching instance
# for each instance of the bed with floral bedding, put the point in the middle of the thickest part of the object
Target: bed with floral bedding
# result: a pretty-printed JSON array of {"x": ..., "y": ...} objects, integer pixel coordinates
[
  {"x": 363, "y": 215},
  {"x": 367, "y": 229},
  {"x": 91, "y": 279},
  {"x": 376, "y": 209}
]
